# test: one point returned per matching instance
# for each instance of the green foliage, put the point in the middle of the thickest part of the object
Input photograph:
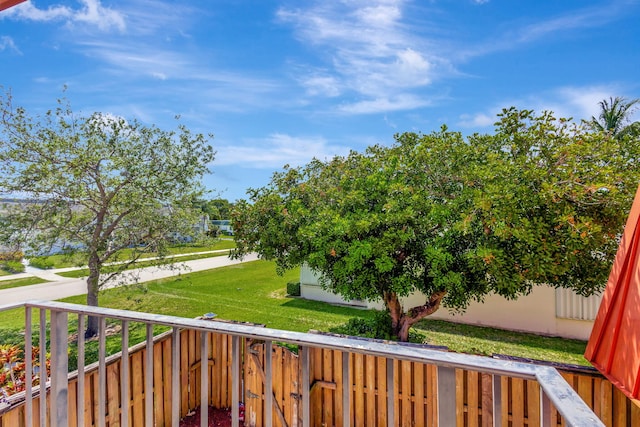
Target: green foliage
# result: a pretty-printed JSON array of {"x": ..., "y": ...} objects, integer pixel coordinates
[
  {"x": 12, "y": 266},
  {"x": 98, "y": 182},
  {"x": 378, "y": 327},
  {"x": 543, "y": 200},
  {"x": 41, "y": 262},
  {"x": 614, "y": 117},
  {"x": 16, "y": 255},
  {"x": 293, "y": 289}
]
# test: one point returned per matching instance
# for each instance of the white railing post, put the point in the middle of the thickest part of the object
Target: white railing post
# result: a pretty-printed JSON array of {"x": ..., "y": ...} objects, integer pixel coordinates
[
  {"x": 102, "y": 372},
  {"x": 204, "y": 379},
  {"x": 235, "y": 380},
  {"x": 124, "y": 375},
  {"x": 497, "y": 400},
  {"x": 43, "y": 367},
  {"x": 175, "y": 377},
  {"x": 446, "y": 396},
  {"x": 28, "y": 360},
  {"x": 346, "y": 390},
  {"x": 80, "y": 383}
]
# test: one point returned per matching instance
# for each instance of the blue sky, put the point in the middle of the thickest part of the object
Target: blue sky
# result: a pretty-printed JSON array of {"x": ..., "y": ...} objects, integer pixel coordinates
[{"x": 279, "y": 82}]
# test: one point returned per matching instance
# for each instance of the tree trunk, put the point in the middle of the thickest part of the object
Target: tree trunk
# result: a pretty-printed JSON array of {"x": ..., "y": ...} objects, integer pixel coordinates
[
  {"x": 93, "y": 282},
  {"x": 401, "y": 322}
]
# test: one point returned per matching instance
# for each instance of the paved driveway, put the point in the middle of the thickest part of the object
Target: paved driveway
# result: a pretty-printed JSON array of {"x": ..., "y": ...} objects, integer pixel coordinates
[{"x": 63, "y": 287}]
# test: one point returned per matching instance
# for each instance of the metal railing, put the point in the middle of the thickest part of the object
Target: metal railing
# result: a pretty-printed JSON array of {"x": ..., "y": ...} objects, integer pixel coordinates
[{"x": 554, "y": 390}]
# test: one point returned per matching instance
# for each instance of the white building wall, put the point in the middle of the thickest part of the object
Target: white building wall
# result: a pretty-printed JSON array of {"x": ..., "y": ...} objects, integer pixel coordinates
[{"x": 547, "y": 311}]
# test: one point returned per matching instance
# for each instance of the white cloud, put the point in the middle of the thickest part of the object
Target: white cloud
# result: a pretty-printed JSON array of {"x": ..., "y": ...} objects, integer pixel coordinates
[
  {"x": 385, "y": 104},
  {"x": 478, "y": 120},
  {"x": 91, "y": 12},
  {"x": 276, "y": 151},
  {"x": 7, "y": 42},
  {"x": 368, "y": 49}
]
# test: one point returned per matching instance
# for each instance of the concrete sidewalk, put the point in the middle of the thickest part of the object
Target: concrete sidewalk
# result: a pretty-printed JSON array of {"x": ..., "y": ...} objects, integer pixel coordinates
[{"x": 63, "y": 287}]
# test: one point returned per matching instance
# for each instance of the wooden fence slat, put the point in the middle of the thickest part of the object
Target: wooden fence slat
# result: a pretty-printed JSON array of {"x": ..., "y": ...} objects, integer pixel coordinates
[
  {"x": 414, "y": 390},
  {"x": 137, "y": 392},
  {"x": 359, "y": 390},
  {"x": 382, "y": 415},
  {"x": 419, "y": 396},
  {"x": 533, "y": 403},
  {"x": 461, "y": 398},
  {"x": 486, "y": 400}
]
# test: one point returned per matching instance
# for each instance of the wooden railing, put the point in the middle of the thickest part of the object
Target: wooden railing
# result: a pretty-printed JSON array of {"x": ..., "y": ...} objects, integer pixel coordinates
[{"x": 333, "y": 381}]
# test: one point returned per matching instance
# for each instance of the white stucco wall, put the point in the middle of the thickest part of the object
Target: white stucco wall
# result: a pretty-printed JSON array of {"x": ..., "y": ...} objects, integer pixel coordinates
[{"x": 536, "y": 312}]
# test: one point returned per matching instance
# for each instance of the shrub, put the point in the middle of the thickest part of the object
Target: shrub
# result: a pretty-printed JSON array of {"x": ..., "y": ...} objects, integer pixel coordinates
[
  {"x": 378, "y": 327},
  {"x": 11, "y": 256},
  {"x": 12, "y": 266},
  {"x": 293, "y": 289},
  {"x": 41, "y": 262}
]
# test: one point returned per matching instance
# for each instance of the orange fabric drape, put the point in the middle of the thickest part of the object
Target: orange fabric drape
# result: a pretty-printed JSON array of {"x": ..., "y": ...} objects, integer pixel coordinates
[{"x": 614, "y": 345}]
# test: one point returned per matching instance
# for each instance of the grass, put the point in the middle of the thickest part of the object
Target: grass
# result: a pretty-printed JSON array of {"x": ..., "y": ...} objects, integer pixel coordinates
[
  {"x": 487, "y": 341},
  {"x": 78, "y": 259},
  {"x": 15, "y": 283},
  {"x": 252, "y": 292}
]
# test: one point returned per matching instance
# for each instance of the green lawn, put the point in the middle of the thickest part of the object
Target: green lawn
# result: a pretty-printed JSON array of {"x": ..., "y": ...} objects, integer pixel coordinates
[
  {"x": 79, "y": 259},
  {"x": 252, "y": 292},
  {"x": 15, "y": 283}
]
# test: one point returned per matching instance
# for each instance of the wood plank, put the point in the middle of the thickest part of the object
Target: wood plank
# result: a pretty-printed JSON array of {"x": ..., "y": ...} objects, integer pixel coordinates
[
  {"x": 517, "y": 401},
  {"x": 72, "y": 403},
  {"x": 406, "y": 373},
  {"x": 370, "y": 389},
  {"x": 505, "y": 404},
  {"x": 225, "y": 363},
  {"x": 328, "y": 412},
  {"x": 166, "y": 358},
  {"x": 432, "y": 395},
  {"x": 634, "y": 417},
  {"x": 461, "y": 398},
  {"x": 359, "y": 390},
  {"x": 158, "y": 385},
  {"x": 288, "y": 386},
  {"x": 419, "y": 393},
  {"x": 339, "y": 393},
  {"x": 137, "y": 386},
  {"x": 113, "y": 394},
  {"x": 619, "y": 409},
  {"x": 383, "y": 413},
  {"x": 486, "y": 400},
  {"x": 533, "y": 403},
  {"x": 277, "y": 381},
  {"x": 605, "y": 406},
  {"x": 473, "y": 385},
  {"x": 585, "y": 389},
  {"x": 194, "y": 374},
  {"x": 184, "y": 372},
  {"x": 216, "y": 369}
]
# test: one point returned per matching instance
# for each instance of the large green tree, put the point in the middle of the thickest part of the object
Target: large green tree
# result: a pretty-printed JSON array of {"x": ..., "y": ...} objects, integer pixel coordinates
[
  {"x": 112, "y": 188},
  {"x": 540, "y": 201}
]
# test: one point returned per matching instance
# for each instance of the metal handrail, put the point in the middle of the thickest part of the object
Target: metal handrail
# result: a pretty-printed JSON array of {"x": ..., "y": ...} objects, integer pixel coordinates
[{"x": 554, "y": 389}]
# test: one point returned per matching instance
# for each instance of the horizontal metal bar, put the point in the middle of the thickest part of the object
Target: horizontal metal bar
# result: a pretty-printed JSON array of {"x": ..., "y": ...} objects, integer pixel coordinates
[
  {"x": 564, "y": 398},
  {"x": 570, "y": 405},
  {"x": 387, "y": 349}
]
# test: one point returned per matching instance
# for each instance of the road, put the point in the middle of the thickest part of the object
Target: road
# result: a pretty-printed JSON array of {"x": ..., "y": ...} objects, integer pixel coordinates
[{"x": 63, "y": 287}]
